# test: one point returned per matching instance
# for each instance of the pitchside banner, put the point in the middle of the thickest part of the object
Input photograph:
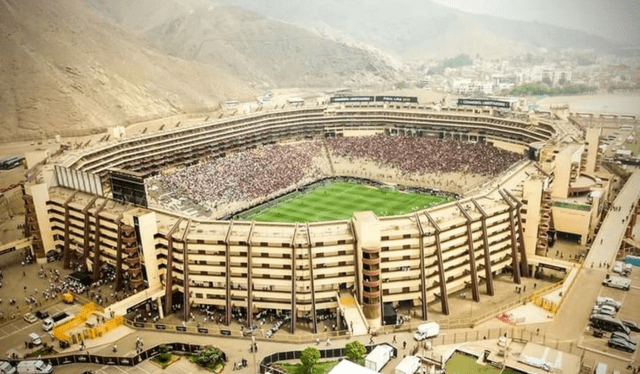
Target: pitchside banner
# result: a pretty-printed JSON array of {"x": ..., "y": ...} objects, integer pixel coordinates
[{"x": 485, "y": 102}]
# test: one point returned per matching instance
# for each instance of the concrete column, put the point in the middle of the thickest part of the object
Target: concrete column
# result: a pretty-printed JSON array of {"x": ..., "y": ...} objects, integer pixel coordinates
[
  {"x": 444, "y": 298},
  {"x": 488, "y": 273},
  {"x": 87, "y": 225},
  {"x": 423, "y": 275},
  {"x": 229, "y": 306},
  {"x": 472, "y": 255}
]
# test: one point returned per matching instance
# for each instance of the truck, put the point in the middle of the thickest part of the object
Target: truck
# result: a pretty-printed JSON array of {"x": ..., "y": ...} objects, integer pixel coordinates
[
  {"x": 6, "y": 368},
  {"x": 618, "y": 282},
  {"x": 34, "y": 367},
  {"x": 55, "y": 320},
  {"x": 426, "y": 331},
  {"x": 378, "y": 357},
  {"x": 408, "y": 365}
]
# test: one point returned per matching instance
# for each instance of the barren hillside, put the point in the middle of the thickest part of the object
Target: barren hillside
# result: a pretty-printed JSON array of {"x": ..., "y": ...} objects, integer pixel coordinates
[
  {"x": 261, "y": 50},
  {"x": 66, "y": 70}
]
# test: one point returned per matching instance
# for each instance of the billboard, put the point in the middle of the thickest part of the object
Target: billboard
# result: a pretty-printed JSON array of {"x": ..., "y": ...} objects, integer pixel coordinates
[
  {"x": 351, "y": 99},
  {"x": 398, "y": 99},
  {"x": 128, "y": 187},
  {"x": 361, "y": 99},
  {"x": 485, "y": 102}
]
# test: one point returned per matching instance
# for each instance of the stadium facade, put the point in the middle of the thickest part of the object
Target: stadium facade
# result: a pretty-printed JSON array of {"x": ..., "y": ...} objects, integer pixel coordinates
[{"x": 412, "y": 259}]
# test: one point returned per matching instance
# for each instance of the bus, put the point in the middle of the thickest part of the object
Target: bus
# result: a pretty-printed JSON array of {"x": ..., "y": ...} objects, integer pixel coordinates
[
  {"x": 11, "y": 162},
  {"x": 607, "y": 323}
]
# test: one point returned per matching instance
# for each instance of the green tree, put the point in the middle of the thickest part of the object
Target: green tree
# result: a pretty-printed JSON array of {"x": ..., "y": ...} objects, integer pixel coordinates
[
  {"x": 355, "y": 351},
  {"x": 308, "y": 358},
  {"x": 208, "y": 357}
]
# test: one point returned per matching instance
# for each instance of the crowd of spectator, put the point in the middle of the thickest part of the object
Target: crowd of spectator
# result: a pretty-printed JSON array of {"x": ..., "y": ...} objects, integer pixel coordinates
[
  {"x": 245, "y": 175},
  {"x": 258, "y": 172},
  {"x": 426, "y": 154}
]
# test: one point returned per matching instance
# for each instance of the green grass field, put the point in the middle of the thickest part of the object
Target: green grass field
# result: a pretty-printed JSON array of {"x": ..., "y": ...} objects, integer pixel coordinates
[{"x": 339, "y": 200}]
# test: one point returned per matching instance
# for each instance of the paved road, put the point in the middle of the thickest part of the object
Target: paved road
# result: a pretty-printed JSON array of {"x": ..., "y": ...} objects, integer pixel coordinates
[{"x": 607, "y": 242}]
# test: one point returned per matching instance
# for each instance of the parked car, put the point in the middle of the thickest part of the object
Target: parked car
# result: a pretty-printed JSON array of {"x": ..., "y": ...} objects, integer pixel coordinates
[
  {"x": 622, "y": 335},
  {"x": 53, "y": 255},
  {"x": 29, "y": 317},
  {"x": 604, "y": 309},
  {"x": 632, "y": 326},
  {"x": 621, "y": 344},
  {"x": 42, "y": 314},
  {"x": 603, "y": 300}
]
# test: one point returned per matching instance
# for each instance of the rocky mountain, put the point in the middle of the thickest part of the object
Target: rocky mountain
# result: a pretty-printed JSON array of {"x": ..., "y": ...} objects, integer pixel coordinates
[
  {"x": 422, "y": 29},
  {"x": 66, "y": 70}
]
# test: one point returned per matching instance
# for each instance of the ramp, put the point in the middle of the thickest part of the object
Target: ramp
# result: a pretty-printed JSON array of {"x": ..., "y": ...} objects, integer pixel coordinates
[{"x": 353, "y": 314}]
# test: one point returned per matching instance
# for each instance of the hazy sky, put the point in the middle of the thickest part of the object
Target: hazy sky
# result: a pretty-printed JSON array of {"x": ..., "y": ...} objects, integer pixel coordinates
[{"x": 618, "y": 20}]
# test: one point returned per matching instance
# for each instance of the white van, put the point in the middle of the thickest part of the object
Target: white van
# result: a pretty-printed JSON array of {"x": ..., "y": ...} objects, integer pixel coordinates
[
  {"x": 601, "y": 368},
  {"x": 6, "y": 368},
  {"x": 35, "y": 339},
  {"x": 427, "y": 330},
  {"x": 618, "y": 268},
  {"x": 408, "y": 365},
  {"x": 617, "y": 282},
  {"x": 34, "y": 367}
]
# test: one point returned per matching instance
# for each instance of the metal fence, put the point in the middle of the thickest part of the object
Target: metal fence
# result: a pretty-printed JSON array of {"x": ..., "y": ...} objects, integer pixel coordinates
[
  {"x": 86, "y": 357},
  {"x": 266, "y": 365}
]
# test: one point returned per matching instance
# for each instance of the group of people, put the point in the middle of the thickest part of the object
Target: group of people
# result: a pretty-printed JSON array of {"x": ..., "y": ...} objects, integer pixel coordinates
[
  {"x": 258, "y": 172},
  {"x": 426, "y": 154},
  {"x": 245, "y": 175}
]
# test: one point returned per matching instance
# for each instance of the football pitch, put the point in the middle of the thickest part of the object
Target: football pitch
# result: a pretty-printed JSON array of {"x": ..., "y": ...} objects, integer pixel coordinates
[{"x": 339, "y": 200}]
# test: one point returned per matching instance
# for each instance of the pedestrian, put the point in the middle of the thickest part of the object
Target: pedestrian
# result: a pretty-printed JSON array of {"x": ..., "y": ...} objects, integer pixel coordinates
[
  {"x": 394, "y": 339},
  {"x": 534, "y": 285},
  {"x": 317, "y": 341},
  {"x": 115, "y": 348},
  {"x": 328, "y": 342},
  {"x": 371, "y": 340},
  {"x": 538, "y": 331},
  {"x": 404, "y": 344},
  {"x": 524, "y": 288}
]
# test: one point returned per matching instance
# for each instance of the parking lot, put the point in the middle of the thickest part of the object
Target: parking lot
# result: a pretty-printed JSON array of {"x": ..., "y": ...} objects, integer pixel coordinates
[{"x": 628, "y": 311}]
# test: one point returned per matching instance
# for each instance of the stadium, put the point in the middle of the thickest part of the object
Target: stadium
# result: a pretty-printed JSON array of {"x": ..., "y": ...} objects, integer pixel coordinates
[{"x": 105, "y": 205}]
